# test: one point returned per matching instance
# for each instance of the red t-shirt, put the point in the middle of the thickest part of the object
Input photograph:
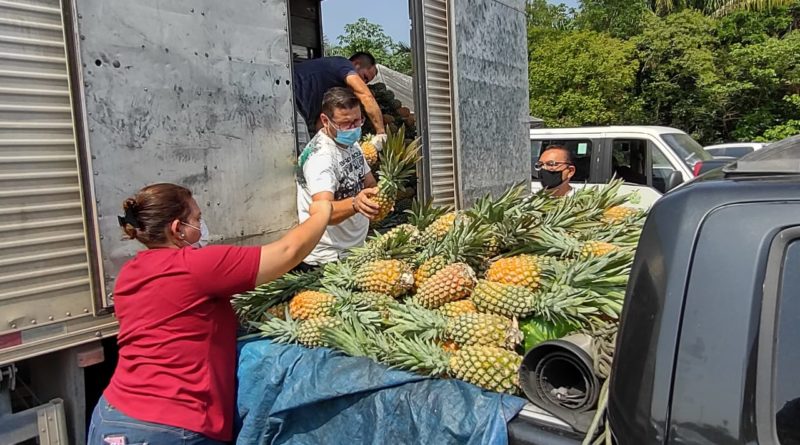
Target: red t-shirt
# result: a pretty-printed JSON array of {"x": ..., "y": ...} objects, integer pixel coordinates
[{"x": 177, "y": 336}]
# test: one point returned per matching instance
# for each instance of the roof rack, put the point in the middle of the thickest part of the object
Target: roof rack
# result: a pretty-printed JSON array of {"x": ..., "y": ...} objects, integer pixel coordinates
[{"x": 781, "y": 157}]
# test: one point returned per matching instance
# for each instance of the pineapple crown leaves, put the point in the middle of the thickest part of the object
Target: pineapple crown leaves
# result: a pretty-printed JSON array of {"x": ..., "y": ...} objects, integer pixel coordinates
[
  {"x": 411, "y": 319},
  {"x": 352, "y": 306},
  {"x": 280, "y": 331},
  {"x": 356, "y": 339},
  {"x": 464, "y": 243},
  {"x": 509, "y": 204},
  {"x": 417, "y": 355},
  {"x": 398, "y": 159},
  {"x": 254, "y": 304},
  {"x": 339, "y": 274},
  {"x": 423, "y": 215}
]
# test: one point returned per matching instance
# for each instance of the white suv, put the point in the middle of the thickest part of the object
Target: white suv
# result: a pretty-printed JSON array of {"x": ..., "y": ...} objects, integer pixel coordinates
[{"x": 652, "y": 159}]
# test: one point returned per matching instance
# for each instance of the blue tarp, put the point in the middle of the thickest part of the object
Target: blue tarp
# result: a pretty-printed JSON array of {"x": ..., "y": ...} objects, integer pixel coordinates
[{"x": 293, "y": 395}]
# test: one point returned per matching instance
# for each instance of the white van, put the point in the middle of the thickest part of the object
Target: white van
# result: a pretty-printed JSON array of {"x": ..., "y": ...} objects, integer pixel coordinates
[{"x": 650, "y": 159}]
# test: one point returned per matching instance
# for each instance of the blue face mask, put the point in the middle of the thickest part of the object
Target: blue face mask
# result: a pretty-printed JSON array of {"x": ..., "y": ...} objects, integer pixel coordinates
[{"x": 348, "y": 137}]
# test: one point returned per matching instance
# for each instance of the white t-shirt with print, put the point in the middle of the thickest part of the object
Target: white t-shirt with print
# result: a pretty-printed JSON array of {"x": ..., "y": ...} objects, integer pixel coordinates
[{"x": 326, "y": 167}]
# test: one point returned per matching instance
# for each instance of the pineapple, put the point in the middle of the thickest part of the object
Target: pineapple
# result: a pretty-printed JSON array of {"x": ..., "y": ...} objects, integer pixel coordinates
[
  {"x": 306, "y": 332},
  {"x": 311, "y": 304},
  {"x": 398, "y": 163},
  {"x": 454, "y": 282},
  {"x": 508, "y": 300},
  {"x": 457, "y": 308},
  {"x": 370, "y": 154},
  {"x": 310, "y": 332},
  {"x": 439, "y": 228},
  {"x": 618, "y": 214},
  {"x": 597, "y": 248},
  {"x": 428, "y": 268},
  {"x": 391, "y": 277},
  {"x": 464, "y": 330},
  {"x": 253, "y": 305},
  {"x": 522, "y": 270},
  {"x": 494, "y": 369}
]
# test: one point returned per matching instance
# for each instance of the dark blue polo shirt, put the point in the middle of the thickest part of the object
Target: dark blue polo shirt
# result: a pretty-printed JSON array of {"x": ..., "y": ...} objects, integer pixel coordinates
[{"x": 313, "y": 78}]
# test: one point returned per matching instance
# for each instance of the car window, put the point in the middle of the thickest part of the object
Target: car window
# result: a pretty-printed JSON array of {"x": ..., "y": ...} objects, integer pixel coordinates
[
  {"x": 629, "y": 162},
  {"x": 737, "y": 152},
  {"x": 686, "y": 148},
  {"x": 581, "y": 149},
  {"x": 786, "y": 389}
]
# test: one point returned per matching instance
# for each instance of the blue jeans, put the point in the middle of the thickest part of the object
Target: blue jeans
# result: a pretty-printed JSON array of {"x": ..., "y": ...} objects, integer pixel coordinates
[{"x": 110, "y": 427}]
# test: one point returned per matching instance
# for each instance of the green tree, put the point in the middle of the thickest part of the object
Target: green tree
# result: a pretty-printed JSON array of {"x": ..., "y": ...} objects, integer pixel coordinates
[
  {"x": 714, "y": 7},
  {"x": 370, "y": 37},
  {"x": 766, "y": 80},
  {"x": 680, "y": 78},
  {"x": 583, "y": 78},
  {"x": 619, "y": 18}
]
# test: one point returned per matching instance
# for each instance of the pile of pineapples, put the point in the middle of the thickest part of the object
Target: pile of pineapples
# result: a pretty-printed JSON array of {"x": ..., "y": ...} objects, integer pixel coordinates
[{"x": 446, "y": 293}]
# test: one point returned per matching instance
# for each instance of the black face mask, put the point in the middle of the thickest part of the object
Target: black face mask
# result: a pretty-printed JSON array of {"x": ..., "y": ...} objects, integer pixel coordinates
[{"x": 550, "y": 180}]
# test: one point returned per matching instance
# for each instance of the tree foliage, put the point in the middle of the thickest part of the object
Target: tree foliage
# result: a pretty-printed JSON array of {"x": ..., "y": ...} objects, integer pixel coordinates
[
  {"x": 719, "y": 77},
  {"x": 363, "y": 35}
]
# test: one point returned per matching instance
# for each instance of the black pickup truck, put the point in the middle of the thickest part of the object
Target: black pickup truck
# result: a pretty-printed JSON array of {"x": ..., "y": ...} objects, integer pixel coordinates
[{"x": 708, "y": 350}]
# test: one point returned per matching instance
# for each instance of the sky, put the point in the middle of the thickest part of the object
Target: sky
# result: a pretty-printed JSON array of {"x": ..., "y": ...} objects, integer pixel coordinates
[{"x": 391, "y": 14}]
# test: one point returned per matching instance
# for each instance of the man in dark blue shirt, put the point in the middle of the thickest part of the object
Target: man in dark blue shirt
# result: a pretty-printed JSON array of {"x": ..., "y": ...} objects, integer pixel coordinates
[{"x": 314, "y": 77}]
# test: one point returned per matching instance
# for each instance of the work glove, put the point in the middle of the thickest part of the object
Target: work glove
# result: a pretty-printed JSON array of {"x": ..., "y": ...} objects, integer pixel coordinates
[{"x": 378, "y": 140}]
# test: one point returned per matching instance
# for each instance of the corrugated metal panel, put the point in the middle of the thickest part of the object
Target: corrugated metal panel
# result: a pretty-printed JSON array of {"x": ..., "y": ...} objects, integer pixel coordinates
[
  {"x": 433, "y": 18},
  {"x": 44, "y": 265}
]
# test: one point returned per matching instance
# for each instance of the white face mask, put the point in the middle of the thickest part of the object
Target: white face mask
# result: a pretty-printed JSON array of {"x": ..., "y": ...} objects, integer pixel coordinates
[{"x": 203, "y": 241}]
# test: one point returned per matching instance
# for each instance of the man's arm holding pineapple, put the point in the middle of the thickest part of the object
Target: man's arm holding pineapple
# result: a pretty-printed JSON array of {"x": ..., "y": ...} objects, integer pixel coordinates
[{"x": 348, "y": 207}]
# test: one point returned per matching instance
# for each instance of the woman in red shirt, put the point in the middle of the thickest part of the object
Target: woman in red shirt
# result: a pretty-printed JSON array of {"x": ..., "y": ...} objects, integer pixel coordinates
[{"x": 175, "y": 379}]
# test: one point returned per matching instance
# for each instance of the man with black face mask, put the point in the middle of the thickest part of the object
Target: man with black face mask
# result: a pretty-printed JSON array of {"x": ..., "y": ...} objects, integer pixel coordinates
[{"x": 556, "y": 167}]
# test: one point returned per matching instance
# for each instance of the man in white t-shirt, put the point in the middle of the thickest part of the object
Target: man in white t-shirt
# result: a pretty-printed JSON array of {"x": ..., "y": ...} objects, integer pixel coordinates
[{"x": 332, "y": 168}]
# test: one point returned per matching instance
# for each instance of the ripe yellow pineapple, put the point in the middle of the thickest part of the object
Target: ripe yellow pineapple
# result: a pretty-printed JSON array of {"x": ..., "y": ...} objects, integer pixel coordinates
[
  {"x": 508, "y": 300},
  {"x": 495, "y": 369},
  {"x": 483, "y": 330},
  {"x": 398, "y": 163},
  {"x": 370, "y": 154},
  {"x": 521, "y": 270},
  {"x": 439, "y": 228},
  {"x": 597, "y": 248},
  {"x": 391, "y": 277},
  {"x": 427, "y": 269},
  {"x": 458, "y": 308},
  {"x": 454, "y": 282},
  {"x": 309, "y": 332},
  {"x": 491, "y": 368},
  {"x": 311, "y": 304},
  {"x": 617, "y": 213}
]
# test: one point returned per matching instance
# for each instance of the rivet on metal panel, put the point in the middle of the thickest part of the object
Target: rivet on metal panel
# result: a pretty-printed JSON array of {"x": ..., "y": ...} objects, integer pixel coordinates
[
  {"x": 98, "y": 334},
  {"x": 13, "y": 326},
  {"x": 86, "y": 84},
  {"x": 287, "y": 65},
  {"x": 116, "y": 64},
  {"x": 83, "y": 37},
  {"x": 69, "y": 314},
  {"x": 80, "y": 16},
  {"x": 85, "y": 311},
  {"x": 33, "y": 321},
  {"x": 95, "y": 157},
  {"x": 96, "y": 173},
  {"x": 146, "y": 89},
  {"x": 102, "y": 237},
  {"x": 51, "y": 318}
]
